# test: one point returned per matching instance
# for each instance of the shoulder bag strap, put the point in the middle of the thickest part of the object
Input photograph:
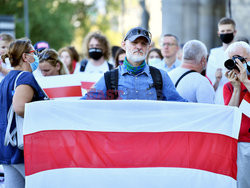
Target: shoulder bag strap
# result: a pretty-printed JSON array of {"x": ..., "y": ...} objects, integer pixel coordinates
[
  {"x": 186, "y": 73},
  {"x": 83, "y": 65},
  {"x": 111, "y": 67},
  {"x": 10, "y": 137}
]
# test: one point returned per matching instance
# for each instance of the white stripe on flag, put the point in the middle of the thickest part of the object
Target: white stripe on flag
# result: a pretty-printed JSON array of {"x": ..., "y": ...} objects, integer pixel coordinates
[
  {"x": 130, "y": 144},
  {"x": 135, "y": 116},
  {"x": 135, "y": 178},
  {"x": 245, "y": 107},
  {"x": 66, "y": 80}
]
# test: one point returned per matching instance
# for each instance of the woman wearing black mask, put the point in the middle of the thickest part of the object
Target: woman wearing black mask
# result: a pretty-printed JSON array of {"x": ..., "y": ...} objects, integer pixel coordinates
[{"x": 97, "y": 50}]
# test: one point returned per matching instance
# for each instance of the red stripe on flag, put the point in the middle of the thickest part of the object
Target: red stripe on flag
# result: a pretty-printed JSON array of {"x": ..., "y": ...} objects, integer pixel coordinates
[
  {"x": 67, "y": 91},
  {"x": 48, "y": 150},
  {"x": 247, "y": 97},
  {"x": 87, "y": 85}
]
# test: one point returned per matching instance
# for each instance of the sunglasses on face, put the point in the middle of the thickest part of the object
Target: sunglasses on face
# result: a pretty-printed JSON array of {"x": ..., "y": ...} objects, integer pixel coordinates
[
  {"x": 32, "y": 51},
  {"x": 139, "y": 32}
]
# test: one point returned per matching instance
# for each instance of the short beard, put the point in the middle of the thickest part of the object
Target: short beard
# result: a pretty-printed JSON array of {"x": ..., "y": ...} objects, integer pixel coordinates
[{"x": 136, "y": 58}]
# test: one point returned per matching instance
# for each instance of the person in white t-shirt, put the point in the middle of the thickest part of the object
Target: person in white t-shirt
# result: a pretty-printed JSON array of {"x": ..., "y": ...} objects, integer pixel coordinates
[
  {"x": 215, "y": 67},
  {"x": 189, "y": 83},
  {"x": 97, "y": 50},
  {"x": 5, "y": 40}
]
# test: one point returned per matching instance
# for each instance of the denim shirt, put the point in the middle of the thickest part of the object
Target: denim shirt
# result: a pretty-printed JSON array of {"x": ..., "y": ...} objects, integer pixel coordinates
[{"x": 138, "y": 87}]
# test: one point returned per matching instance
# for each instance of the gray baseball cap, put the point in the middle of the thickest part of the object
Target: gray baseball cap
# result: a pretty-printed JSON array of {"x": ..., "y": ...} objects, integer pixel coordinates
[{"x": 137, "y": 32}]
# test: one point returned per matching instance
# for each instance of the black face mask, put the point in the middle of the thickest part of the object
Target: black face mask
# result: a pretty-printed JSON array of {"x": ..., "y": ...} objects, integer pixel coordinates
[
  {"x": 95, "y": 53},
  {"x": 227, "y": 37}
]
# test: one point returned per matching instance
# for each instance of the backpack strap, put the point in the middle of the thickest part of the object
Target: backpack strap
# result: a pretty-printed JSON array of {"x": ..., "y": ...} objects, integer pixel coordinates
[
  {"x": 111, "y": 67},
  {"x": 186, "y": 73},
  {"x": 83, "y": 65},
  {"x": 157, "y": 79},
  {"x": 111, "y": 81}
]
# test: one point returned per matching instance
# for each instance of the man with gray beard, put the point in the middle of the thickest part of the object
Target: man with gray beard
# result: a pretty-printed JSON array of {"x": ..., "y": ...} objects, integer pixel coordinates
[{"x": 135, "y": 79}]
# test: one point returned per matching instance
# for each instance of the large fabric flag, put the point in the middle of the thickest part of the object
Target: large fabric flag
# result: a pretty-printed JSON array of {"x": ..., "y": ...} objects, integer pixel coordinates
[
  {"x": 130, "y": 144},
  {"x": 245, "y": 105},
  {"x": 72, "y": 85}
]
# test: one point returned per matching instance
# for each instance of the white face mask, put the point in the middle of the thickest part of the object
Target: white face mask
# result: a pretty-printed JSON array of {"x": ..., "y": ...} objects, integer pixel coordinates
[{"x": 155, "y": 62}]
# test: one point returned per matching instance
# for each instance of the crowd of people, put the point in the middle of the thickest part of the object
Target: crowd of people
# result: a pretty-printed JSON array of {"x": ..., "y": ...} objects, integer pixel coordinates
[{"x": 136, "y": 70}]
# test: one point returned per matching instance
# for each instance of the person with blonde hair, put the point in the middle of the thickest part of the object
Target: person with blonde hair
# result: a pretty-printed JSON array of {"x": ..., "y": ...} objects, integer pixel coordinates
[
  {"x": 17, "y": 88},
  {"x": 5, "y": 40},
  {"x": 50, "y": 63}
]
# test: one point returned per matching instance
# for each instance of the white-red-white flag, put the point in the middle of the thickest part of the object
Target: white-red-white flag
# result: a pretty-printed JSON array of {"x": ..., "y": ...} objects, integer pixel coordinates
[
  {"x": 130, "y": 144},
  {"x": 72, "y": 85},
  {"x": 245, "y": 105}
]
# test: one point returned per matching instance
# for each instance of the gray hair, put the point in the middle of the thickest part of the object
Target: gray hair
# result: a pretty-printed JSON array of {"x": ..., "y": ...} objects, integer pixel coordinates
[
  {"x": 194, "y": 50},
  {"x": 235, "y": 46}
]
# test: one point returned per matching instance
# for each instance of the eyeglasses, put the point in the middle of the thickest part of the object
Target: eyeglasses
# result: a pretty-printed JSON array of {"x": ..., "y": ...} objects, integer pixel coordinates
[
  {"x": 139, "y": 32},
  {"x": 32, "y": 51},
  {"x": 169, "y": 44}
]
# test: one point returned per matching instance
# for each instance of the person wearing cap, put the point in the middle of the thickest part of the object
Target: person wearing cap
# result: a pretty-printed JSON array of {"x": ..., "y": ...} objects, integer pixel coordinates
[
  {"x": 135, "y": 80},
  {"x": 41, "y": 45}
]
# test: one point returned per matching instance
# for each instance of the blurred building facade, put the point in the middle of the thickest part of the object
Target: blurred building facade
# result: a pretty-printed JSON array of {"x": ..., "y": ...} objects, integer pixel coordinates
[
  {"x": 188, "y": 19},
  {"x": 197, "y": 19}
]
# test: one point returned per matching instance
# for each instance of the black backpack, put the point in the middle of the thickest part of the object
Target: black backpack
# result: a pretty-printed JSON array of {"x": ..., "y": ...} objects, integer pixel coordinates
[
  {"x": 84, "y": 63},
  {"x": 111, "y": 81}
]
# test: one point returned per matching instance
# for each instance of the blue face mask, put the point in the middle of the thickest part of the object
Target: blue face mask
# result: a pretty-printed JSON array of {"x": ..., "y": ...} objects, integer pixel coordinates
[
  {"x": 35, "y": 64},
  {"x": 247, "y": 67}
]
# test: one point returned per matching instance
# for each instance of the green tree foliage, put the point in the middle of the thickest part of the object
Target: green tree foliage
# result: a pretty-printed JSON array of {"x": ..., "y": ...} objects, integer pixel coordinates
[
  {"x": 55, "y": 21},
  {"x": 49, "y": 20}
]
